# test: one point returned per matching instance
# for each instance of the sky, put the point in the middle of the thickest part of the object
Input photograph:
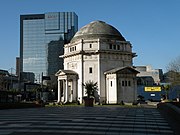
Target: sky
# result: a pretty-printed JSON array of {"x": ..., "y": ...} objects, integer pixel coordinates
[{"x": 152, "y": 26}]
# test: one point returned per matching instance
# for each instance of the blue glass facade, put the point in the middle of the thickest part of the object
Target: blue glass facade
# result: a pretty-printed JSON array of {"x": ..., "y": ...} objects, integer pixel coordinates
[{"x": 42, "y": 38}]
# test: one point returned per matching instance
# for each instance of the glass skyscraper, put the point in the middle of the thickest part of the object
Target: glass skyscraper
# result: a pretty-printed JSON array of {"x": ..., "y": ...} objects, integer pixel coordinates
[{"x": 42, "y": 38}]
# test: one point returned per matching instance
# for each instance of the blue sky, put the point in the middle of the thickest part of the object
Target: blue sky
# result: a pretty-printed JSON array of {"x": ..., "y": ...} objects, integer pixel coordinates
[{"x": 152, "y": 26}]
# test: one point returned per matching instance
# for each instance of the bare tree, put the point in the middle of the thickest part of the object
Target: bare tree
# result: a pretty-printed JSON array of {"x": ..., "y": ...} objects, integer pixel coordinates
[{"x": 173, "y": 73}]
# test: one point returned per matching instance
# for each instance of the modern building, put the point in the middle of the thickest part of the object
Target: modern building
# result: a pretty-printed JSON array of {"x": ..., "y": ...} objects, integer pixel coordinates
[
  {"x": 42, "y": 38},
  {"x": 150, "y": 76},
  {"x": 148, "y": 82},
  {"x": 28, "y": 77},
  {"x": 98, "y": 52}
]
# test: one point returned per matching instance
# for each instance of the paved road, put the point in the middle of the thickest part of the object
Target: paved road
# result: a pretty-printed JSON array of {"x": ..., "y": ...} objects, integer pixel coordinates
[{"x": 83, "y": 120}]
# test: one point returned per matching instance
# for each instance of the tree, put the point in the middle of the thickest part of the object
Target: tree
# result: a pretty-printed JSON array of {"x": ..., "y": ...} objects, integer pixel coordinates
[
  {"x": 53, "y": 85},
  {"x": 91, "y": 88},
  {"x": 173, "y": 73},
  {"x": 166, "y": 88}
]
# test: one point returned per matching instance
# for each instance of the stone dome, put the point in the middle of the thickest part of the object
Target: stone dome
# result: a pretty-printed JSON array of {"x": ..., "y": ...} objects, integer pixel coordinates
[{"x": 98, "y": 29}]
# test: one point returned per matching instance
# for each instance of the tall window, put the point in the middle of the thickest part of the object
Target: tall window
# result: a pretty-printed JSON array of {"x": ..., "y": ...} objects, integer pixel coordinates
[
  {"x": 72, "y": 48},
  {"x": 114, "y": 47},
  {"x": 129, "y": 83},
  {"x": 90, "y": 45},
  {"x": 111, "y": 83},
  {"x": 110, "y": 46},
  {"x": 90, "y": 70},
  {"x": 125, "y": 83},
  {"x": 122, "y": 83}
]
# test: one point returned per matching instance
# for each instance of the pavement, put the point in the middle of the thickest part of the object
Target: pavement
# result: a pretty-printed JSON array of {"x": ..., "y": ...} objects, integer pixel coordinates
[{"x": 70, "y": 120}]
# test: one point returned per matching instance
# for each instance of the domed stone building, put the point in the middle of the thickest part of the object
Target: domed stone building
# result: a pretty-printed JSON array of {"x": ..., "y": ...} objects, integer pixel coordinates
[{"x": 100, "y": 53}]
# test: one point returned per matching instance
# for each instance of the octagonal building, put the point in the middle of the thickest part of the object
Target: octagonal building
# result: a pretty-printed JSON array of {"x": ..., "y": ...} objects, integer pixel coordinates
[{"x": 98, "y": 52}]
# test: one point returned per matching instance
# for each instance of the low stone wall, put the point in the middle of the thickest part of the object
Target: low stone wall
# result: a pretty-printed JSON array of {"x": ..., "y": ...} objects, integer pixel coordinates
[
  {"x": 19, "y": 105},
  {"x": 172, "y": 114}
]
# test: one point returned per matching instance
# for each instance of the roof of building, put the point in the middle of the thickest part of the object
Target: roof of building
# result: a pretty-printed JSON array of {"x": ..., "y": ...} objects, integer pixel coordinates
[
  {"x": 65, "y": 72},
  {"x": 115, "y": 70},
  {"x": 98, "y": 29}
]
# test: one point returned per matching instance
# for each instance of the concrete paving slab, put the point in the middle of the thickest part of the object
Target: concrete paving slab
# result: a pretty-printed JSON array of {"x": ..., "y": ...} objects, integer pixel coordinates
[{"x": 83, "y": 120}]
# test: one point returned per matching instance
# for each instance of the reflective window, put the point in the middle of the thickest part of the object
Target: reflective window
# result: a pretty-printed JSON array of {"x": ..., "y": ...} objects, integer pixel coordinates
[
  {"x": 52, "y": 21},
  {"x": 43, "y": 41}
]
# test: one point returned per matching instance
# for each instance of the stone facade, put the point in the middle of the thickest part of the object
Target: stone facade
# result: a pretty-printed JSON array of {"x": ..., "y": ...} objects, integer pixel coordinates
[
  {"x": 93, "y": 52},
  {"x": 121, "y": 84}
]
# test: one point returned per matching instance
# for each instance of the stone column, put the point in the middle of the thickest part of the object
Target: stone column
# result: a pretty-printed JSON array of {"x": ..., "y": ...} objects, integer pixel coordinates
[
  {"x": 73, "y": 92},
  {"x": 66, "y": 91},
  {"x": 63, "y": 89},
  {"x": 107, "y": 89},
  {"x": 59, "y": 91},
  {"x": 70, "y": 88},
  {"x": 82, "y": 69}
]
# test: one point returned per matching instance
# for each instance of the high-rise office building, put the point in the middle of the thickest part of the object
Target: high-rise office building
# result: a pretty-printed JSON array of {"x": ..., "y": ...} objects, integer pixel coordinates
[{"x": 42, "y": 38}]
